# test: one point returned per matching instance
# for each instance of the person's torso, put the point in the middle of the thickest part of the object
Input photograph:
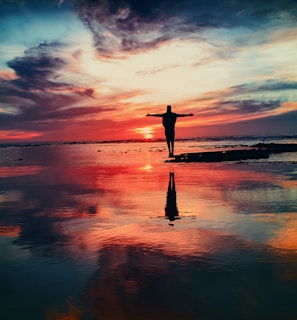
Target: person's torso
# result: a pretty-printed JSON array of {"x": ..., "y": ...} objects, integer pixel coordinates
[{"x": 169, "y": 119}]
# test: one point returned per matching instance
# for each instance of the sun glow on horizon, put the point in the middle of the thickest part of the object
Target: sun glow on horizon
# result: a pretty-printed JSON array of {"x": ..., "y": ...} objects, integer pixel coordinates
[{"x": 146, "y": 132}]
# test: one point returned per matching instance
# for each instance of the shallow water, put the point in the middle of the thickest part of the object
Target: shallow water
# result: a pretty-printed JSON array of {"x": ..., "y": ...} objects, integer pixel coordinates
[{"x": 84, "y": 235}]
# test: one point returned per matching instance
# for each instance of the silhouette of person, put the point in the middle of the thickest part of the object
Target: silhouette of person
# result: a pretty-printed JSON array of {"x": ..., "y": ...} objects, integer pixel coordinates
[
  {"x": 169, "y": 119},
  {"x": 171, "y": 211}
]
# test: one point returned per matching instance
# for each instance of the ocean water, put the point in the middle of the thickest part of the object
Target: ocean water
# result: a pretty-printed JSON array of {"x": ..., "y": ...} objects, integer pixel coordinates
[{"x": 111, "y": 231}]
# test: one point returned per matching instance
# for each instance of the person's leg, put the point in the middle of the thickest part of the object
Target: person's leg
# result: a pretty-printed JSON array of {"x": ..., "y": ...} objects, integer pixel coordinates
[
  {"x": 172, "y": 143},
  {"x": 170, "y": 149},
  {"x": 167, "y": 135},
  {"x": 168, "y": 145}
]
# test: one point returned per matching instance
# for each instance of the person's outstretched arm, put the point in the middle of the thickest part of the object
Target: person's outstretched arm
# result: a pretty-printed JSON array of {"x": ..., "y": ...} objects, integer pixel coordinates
[
  {"x": 154, "y": 115},
  {"x": 185, "y": 115}
]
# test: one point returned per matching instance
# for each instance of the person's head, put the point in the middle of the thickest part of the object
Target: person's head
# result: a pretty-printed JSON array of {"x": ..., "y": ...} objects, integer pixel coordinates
[{"x": 168, "y": 108}]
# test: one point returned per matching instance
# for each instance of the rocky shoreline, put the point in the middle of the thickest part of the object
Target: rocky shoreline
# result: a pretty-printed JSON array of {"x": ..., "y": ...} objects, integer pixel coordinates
[{"x": 257, "y": 151}]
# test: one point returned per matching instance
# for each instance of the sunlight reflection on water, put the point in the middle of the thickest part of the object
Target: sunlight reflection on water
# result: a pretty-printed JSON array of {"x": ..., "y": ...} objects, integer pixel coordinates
[{"x": 102, "y": 232}]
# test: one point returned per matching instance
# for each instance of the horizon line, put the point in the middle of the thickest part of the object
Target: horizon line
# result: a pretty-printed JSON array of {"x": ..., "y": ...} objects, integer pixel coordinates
[{"x": 201, "y": 138}]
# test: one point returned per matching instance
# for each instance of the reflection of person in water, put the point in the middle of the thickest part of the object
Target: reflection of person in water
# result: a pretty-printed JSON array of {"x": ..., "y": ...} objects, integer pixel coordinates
[
  {"x": 169, "y": 119},
  {"x": 171, "y": 210}
]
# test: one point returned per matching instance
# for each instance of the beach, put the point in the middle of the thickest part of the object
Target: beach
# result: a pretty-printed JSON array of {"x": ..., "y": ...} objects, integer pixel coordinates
[{"x": 113, "y": 231}]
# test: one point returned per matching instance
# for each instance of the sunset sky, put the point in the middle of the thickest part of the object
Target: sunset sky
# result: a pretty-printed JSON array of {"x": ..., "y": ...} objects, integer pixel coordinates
[{"x": 78, "y": 70}]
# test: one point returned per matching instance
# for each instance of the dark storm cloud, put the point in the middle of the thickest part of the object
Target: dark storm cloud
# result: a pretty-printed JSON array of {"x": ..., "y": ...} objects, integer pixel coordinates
[{"x": 131, "y": 25}]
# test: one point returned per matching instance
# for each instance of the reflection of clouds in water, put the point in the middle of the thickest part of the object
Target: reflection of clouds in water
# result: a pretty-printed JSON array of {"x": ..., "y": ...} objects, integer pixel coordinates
[
  {"x": 105, "y": 225},
  {"x": 136, "y": 281},
  {"x": 246, "y": 190},
  {"x": 10, "y": 196},
  {"x": 40, "y": 202},
  {"x": 285, "y": 236},
  {"x": 112, "y": 203},
  {"x": 41, "y": 230},
  {"x": 271, "y": 200},
  {"x": 93, "y": 228},
  {"x": 6, "y": 171}
]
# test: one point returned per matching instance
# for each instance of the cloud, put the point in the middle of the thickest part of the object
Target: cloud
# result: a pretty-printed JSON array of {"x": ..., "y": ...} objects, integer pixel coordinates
[
  {"x": 270, "y": 125},
  {"x": 248, "y": 98},
  {"x": 158, "y": 69},
  {"x": 121, "y": 26},
  {"x": 36, "y": 68},
  {"x": 88, "y": 92},
  {"x": 35, "y": 100},
  {"x": 18, "y": 135},
  {"x": 265, "y": 86},
  {"x": 265, "y": 107},
  {"x": 248, "y": 89},
  {"x": 246, "y": 106}
]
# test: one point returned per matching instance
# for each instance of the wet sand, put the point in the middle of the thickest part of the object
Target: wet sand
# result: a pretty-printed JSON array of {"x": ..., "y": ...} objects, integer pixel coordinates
[
  {"x": 105, "y": 232},
  {"x": 258, "y": 151}
]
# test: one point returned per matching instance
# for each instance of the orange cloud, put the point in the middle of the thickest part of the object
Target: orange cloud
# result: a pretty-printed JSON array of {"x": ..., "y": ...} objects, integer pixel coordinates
[
  {"x": 7, "y": 135},
  {"x": 7, "y": 75}
]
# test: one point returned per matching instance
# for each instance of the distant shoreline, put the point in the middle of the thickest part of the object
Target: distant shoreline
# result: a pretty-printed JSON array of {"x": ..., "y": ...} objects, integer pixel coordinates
[{"x": 202, "y": 139}]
